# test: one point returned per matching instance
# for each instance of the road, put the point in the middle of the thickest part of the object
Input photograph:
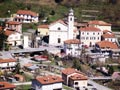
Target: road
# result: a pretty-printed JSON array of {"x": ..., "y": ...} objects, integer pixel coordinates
[
  {"x": 23, "y": 83},
  {"x": 100, "y": 78},
  {"x": 98, "y": 86},
  {"x": 41, "y": 48}
]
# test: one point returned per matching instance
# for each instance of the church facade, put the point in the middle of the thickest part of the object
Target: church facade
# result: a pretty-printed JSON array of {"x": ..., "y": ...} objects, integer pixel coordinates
[{"x": 60, "y": 30}]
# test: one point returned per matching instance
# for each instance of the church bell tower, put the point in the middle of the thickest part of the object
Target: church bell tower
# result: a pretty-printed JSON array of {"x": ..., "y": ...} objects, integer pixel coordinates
[{"x": 70, "y": 24}]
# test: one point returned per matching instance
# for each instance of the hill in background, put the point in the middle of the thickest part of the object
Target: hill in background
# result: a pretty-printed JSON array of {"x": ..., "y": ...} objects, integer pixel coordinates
[{"x": 108, "y": 10}]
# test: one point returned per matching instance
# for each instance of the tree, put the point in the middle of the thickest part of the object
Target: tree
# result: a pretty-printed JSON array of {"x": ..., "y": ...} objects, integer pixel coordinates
[
  {"x": 76, "y": 64},
  {"x": 17, "y": 69},
  {"x": 3, "y": 37},
  {"x": 110, "y": 70},
  {"x": 113, "y": 1},
  {"x": 52, "y": 12}
]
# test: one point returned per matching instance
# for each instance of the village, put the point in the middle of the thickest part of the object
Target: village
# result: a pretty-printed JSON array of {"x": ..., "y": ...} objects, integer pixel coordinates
[{"x": 62, "y": 55}]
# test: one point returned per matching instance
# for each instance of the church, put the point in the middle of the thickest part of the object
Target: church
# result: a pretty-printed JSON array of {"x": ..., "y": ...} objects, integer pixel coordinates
[{"x": 60, "y": 31}]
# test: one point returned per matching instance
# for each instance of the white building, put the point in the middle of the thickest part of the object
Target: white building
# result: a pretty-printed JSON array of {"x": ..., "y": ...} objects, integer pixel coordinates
[
  {"x": 60, "y": 30},
  {"x": 7, "y": 63},
  {"x": 74, "y": 78},
  {"x": 26, "y": 16},
  {"x": 26, "y": 41},
  {"x": 14, "y": 25},
  {"x": 90, "y": 35},
  {"x": 14, "y": 38},
  {"x": 100, "y": 24},
  {"x": 109, "y": 36},
  {"x": 107, "y": 48},
  {"x": 47, "y": 83},
  {"x": 72, "y": 47}
]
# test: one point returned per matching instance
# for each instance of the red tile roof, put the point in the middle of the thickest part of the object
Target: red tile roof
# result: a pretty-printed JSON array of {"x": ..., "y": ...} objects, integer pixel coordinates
[
  {"x": 28, "y": 65},
  {"x": 41, "y": 57},
  {"x": 13, "y": 23},
  {"x": 72, "y": 41},
  {"x": 0, "y": 28},
  {"x": 69, "y": 71},
  {"x": 9, "y": 32},
  {"x": 106, "y": 31},
  {"x": 116, "y": 75},
  {"x": 107, "y": 44},
  {"x": 7, "y": 60},
  {"x": 78, "y": 76},
  {"x": 43, "y": 26},
  {"x": 49, "y": 79},
  {"x": 26, "y": 12},
  {"x": 107, "y": 35},
  {"x": 97, "y": 22},
  {"x": 20, "y": 77},
  {"x": 59, "y": 21},
  {"x": 91, "y": 29},
  {"x": 6, "y": 85}
]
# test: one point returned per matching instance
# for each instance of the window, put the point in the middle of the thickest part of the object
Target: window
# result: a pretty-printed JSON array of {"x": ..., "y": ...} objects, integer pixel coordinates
[
  {"x": 90, "y": 38},
  {"x": 83, "y": 33},
  {"x": 59, "y": 40},
  {"x": 98, "y": 33},
  {"x": 59, "y": 28},
  {"x": 93, "y": 33},
  {"x": 87, "y": 38},
  {"x": 98, "y": 38},
  {"x": 70, "y": 19},
  {"x": 76, "y": 83},
  {"x": 82, "y": 38},
  {"x": 87, "y": 33}
]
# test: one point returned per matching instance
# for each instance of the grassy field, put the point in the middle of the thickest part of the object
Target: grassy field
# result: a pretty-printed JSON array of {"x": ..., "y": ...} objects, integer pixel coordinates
[{"x": 23, "y": 87}]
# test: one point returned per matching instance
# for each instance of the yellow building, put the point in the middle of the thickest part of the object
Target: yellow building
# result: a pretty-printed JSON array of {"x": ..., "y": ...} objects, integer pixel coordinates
[{"x": 43, "y": 30}]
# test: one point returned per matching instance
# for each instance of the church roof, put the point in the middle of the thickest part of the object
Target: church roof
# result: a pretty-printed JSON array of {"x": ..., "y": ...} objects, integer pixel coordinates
[{"x": 59, "y": 21}]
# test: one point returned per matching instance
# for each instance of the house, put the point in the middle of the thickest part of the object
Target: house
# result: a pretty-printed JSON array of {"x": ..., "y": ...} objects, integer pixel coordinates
[
  {"x": 116, "y": 76},
  {"x": 26, "y": 16},
  {"x": 60, "y": 30},
  {"x": 96, "y": 57},
  {"x": 7, "y": 63},
  {"x": 6, "y": 86},
  {"x": 72, "y": 47},
  {"x": 109, "y": 36},
  {"x": 43, "y": 30},
  {"x": 106, "y": 47},
  {"x": 14, "y": 25},
  {"x": 47, "y": 83},
  {"x": 19, "y": 77},
  {"x": 90, "y": 35},
  {"x": 14, "y": 38},
  {"x": 74, "y": 78},
  {"x": 100, "y": 24},
  {"x": 31, "y": 67}
]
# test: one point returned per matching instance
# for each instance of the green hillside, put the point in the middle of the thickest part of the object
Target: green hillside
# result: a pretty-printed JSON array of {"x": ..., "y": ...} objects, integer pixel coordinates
[{"x": 54, "y": 9}]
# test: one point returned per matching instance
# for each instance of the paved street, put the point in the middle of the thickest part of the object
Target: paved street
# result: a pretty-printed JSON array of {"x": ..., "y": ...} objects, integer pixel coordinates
[
  {"x": 23, "y": 83},
  {"x": 98, "y": 86},
  {"x": 100, "y": 78}
]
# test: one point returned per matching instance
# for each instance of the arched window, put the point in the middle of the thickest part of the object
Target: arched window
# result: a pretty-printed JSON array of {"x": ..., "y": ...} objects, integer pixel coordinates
[
  {"x": 59, "y": 28},
  {"x": 59, "y": 40}
]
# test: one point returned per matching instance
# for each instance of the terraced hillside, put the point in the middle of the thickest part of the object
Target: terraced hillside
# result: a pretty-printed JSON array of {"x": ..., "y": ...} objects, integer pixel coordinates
[{"x": 54, "y": 9}]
